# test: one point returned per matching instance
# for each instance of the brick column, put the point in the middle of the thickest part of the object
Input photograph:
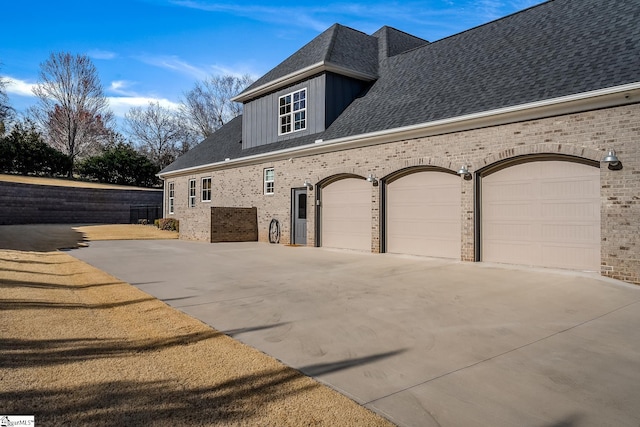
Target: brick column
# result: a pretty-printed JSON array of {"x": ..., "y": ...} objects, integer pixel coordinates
[
  {"x": 375, "y": 217},
  {"x": 467, "y": 250}
]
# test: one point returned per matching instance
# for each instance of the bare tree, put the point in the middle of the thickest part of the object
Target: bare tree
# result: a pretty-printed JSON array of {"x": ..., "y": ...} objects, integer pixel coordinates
[
  {"x": 208, "y": 105},
  {"x": 5, "y": 109},
  {"x": 72, "y": 108},
  {"x": 158, "y": 132}
]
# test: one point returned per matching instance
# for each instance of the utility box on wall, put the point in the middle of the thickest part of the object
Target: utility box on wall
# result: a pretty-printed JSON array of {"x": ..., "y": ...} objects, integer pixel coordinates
[{"x": 234, "y": 224}]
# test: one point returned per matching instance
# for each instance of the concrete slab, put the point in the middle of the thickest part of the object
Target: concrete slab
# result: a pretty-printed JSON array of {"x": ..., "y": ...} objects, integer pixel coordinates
[{"x": 424, "y": 342}]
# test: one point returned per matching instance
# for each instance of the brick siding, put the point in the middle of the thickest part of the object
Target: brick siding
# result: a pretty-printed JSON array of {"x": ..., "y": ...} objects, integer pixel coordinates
[
  {"x": 230, "y": 224},
  {"x": 586, "y": 135}
]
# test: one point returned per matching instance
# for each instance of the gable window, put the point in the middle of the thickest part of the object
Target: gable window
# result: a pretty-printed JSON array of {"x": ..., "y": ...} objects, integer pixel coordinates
[
  {"x": 192, "y": 193},
  {"x": 206, "y": 189},
  {"x": 293, "y": 112},
  {"x": 171, "y": 196},
  {"x": 269, "y": 181}
]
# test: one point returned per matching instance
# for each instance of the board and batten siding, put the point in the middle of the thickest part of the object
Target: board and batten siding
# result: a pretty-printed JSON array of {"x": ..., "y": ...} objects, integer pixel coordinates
[
  {"x": 341, "y": 91},
  {"x": 260, "y": 118}
]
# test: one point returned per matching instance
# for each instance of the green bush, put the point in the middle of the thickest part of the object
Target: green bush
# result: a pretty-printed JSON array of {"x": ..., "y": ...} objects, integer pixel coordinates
[
  {"x": 120, "y": 164},
  {"x": 170, "y": 224},
  {"x": 23, "y": 151}
]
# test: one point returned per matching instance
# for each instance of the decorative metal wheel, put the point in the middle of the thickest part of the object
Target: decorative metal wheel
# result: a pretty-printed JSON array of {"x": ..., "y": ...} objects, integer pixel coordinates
[{"x": 274, "y": 231}]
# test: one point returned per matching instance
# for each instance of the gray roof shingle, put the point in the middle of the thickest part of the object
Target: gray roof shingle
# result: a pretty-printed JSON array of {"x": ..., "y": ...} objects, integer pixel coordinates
[
  {"x": 558, "y": 48},
  {"x": 338, "y": 45}
]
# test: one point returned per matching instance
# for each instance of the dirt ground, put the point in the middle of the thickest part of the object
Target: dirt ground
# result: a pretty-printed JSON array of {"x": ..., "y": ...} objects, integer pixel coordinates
[{"x": 79, "y": 347}]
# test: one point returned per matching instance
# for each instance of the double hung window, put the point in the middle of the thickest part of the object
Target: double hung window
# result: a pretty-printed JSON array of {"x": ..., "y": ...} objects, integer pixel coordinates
[
  {"x": 292, "y": 111},
  {"x": 172, "y": 194},
  {"x": 192, "y": 193},
  {"x": 269, "y": 181},
  {"x": 206, "y": 189}
]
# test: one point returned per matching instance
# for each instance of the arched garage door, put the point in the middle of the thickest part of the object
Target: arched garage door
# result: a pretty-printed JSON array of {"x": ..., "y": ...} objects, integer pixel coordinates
[
  {"x": 423, "y": 215},
  {"x": 346, "y": 214},
  {"x": 542, "y": 213}
]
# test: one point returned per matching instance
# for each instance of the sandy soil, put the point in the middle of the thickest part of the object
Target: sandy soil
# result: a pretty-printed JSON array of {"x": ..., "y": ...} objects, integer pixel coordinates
[{"x": 80, "y": 347}]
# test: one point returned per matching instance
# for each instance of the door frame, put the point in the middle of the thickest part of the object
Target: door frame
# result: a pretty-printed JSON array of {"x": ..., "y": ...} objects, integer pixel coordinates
[
  {"x": 385, "y": 181},
  {"x": 294, "y": 192},
  {"x": 503, "y": 164}
]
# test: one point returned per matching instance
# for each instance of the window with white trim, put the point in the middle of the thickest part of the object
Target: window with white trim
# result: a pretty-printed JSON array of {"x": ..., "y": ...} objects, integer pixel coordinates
[
  {"x": 269, "y": 181},
  {"x": 192, "y": 193},
  {"x": 292, "y": 112},
  {"x": 172, "y": 193},
  {"x": 206, "y": 189}
]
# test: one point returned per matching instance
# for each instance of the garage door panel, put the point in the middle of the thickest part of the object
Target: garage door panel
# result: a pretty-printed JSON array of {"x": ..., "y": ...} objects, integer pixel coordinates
[
  {"x": 512, "y": 191},
  {"x": 577, "y": 233},
  {"x": 346, "y": 215},
  {"x": 557, "y": 224},
  {"x": 510, "y": 210},
  {"x": 423, "y": 215},
  {"x": 571, "y": 210},
  {"x": 418, "y": 228},
  {"x": 568, "y": 256}
]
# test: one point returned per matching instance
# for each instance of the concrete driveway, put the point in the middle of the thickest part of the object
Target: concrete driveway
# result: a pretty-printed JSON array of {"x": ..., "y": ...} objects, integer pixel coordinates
[{"x": 423, "y": 342}]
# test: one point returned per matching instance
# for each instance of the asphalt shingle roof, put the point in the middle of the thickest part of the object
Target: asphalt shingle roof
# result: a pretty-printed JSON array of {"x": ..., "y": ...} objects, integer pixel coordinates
[
  {"x": 338, "y": 45},
  {"x": 558, "y": 48}
]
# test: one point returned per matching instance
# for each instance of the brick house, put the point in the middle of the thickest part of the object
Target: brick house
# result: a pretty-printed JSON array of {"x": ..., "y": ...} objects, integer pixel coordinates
[{"x": 489, "y": 145}]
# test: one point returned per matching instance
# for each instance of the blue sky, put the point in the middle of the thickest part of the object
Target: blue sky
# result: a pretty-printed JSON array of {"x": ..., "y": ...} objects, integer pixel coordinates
[{"x": 148, "y": 50}]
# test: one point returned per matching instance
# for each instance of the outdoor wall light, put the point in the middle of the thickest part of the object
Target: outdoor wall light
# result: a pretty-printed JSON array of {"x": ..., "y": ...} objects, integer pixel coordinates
[
  {"x": 612, "y": 160},
  {"x": 372, "y": 179},
  {"x": 308, "y": 185},
  {"x": 464, "y": 172}
]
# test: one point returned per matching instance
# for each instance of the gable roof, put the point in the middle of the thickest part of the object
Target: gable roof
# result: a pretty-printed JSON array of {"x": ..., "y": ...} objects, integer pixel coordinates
[
  {"x": 339, "y": 49},
  {"x": 552, "y": 50}
]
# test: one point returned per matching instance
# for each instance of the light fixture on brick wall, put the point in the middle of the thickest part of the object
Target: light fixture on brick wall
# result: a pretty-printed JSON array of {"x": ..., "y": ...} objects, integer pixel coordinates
[
  {"x": 308, "y": 185},
  {"x": 612, "y": 159},
  {"x": 464, "y": 173},
  {"x": 372, "y": 179}
]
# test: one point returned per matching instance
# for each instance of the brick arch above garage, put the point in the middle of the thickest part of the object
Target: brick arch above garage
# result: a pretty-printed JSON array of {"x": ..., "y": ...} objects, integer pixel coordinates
[{"x": 520, "y": 151}]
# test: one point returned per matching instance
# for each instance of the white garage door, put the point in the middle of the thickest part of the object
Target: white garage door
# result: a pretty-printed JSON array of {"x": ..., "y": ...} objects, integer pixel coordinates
[
  {"x": 544, "y": 213},
  {"x": 423, "y": 215},
  {"x": 346, "y": 215}
]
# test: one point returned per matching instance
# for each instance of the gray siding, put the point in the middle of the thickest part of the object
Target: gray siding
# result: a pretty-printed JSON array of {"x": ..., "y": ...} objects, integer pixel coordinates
[
  {"x": 260, "y": 117},
  {"x": 47, "y": 204},
  {"x": 341, "y": 91}
]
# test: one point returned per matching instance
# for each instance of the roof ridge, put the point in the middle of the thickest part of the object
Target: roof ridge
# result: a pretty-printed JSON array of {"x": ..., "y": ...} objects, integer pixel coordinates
[
  {"x": 332, "y": 42},
  {"x": 545, "y": 3},
  {"x": 389, "y": 27}
]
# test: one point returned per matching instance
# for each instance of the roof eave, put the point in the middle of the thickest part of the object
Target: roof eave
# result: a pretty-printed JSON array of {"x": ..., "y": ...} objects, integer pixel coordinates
[
  {"x": 601, "y": 98},
  {"x": 303, "y": 73}
]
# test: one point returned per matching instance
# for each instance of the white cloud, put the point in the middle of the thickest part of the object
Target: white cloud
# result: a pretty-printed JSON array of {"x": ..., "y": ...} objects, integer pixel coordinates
[
  {"x": 121, "y": 87},
  {"x": 120, "y": 105},
  {"x": 101, "y": 54},
  {"x": 174, "y": 63},
  {"x": 304, "y": 17},
  {"x": 369, "y": 16},
  {"x": 20, "y": 87},
  {"x": 221, "y": 70}
]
